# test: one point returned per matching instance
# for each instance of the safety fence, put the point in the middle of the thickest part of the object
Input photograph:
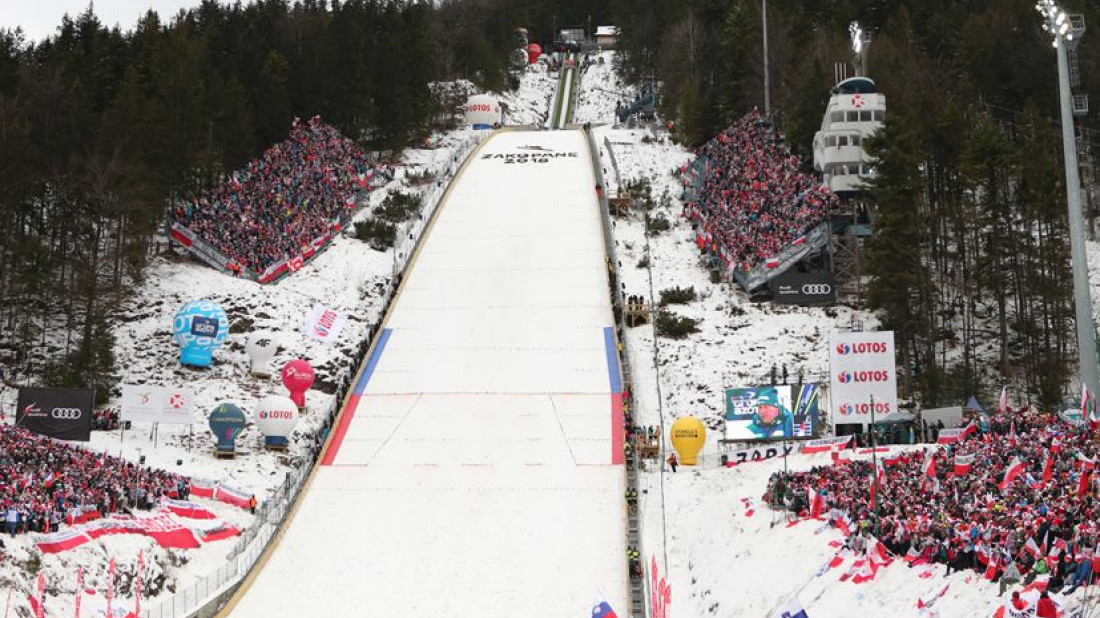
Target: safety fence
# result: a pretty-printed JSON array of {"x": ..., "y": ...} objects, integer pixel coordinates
[
  {"x": 204, "y": 596},
  {"x": 633, "y": 524}
]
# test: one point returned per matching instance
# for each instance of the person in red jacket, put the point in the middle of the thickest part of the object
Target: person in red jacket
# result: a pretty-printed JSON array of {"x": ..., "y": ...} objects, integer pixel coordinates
[{"x": 1046, "y": 608}]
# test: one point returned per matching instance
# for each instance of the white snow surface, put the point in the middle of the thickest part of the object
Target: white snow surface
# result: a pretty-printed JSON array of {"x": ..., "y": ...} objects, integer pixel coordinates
[{"x": 479, "y": 460}]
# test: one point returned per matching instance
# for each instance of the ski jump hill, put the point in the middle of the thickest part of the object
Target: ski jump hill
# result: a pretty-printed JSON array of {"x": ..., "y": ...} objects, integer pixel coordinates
[{"x": 475, "y": 470}]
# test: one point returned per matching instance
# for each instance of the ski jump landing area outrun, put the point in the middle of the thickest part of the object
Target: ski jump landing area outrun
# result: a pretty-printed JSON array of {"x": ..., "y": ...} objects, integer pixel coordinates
[{"x": 474, "y": 473}]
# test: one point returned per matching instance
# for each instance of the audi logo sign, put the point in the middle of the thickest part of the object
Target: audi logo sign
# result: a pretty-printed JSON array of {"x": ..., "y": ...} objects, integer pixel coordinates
[
  {"x": 61, "y": 413},
  {"x": 806, "y": 289},
  {"x": 65, "y": 413}
]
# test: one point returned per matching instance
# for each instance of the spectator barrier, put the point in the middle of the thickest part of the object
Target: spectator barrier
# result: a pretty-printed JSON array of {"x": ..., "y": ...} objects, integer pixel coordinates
[{"x": 633, "y": 526}]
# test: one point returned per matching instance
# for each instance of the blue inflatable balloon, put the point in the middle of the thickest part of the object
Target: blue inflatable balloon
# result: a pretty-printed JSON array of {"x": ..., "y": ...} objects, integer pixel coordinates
[
  {"x": 227, "y": 421},
  {"x": 200, "y": 326}
]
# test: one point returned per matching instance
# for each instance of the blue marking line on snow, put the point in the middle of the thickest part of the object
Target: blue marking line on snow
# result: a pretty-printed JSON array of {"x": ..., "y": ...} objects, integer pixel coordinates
[
  {"x": 612, "y": 360},
  {"x": 372, "y": 362}
]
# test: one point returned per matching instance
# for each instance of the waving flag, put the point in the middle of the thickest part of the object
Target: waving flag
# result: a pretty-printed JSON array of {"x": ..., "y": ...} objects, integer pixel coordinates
[
  {"x": 1087, "y": 466},
  {"x": 1032, "y": 548},
  {"x": 1048, "y": 468},
  {"x": 816, "y": 503},
  {"x": 61, "y": 541},
  {"x": 1088, "y": 403},
  {"x": 1015, "y": 469},
  {"x": 603, "y": 610},
  {"x": 1002, "y": 403},
  {"x": 963, "y": 464},
  {"x": 928, "y": 471},
  {"x": 876, "y": 551},
  {"x": 929, "y": 601}
]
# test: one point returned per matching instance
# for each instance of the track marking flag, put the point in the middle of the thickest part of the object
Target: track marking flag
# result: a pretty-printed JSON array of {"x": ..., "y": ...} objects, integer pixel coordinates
[
  {"x": 793, "y": 609},
  {"x": 1088, "y": 404}
]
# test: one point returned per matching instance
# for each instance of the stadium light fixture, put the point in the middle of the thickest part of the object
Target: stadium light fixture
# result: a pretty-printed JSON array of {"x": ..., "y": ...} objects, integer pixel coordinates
[
  {"x": 1066, "y": 31},
  {"x": 857, "y": 36}
]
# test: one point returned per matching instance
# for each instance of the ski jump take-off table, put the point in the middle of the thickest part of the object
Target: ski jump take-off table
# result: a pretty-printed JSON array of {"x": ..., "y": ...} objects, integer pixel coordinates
[{"x": 475, "y": 471}]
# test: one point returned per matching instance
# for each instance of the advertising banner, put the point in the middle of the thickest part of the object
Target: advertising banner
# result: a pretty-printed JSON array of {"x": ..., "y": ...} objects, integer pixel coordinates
[
  {"x": 825, "y": 445},
  {"x": 62, "y": 413},
  {"x": 324, "y": 324},
  {"x": 804, "y": 289},
  {"x": 861, "y": 367},
  {"x": 772, "y": 412},
  {"x": 759, "y": 453},
  {"x": 156, "y": 404}
]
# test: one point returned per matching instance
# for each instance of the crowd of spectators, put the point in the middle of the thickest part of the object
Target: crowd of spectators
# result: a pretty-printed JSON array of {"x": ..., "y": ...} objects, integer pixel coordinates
[
  {"x": 1031, "y": 527},
  {"x": 751, "y": 200},
  {"x": 43, "y": 482},
  {"x": 278, "y": 204}
]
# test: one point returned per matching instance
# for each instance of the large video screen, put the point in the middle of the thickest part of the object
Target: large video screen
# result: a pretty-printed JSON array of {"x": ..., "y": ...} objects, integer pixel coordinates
[{"x": 772, "y": 412}]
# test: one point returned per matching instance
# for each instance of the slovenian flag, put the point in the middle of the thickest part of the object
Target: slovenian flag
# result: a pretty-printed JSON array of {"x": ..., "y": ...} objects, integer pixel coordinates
[{"x": 603, "y": 610}]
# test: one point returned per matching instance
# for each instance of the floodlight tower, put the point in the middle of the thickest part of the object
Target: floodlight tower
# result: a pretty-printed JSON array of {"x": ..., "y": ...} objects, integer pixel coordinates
[{"x": 1067, "y": 31}]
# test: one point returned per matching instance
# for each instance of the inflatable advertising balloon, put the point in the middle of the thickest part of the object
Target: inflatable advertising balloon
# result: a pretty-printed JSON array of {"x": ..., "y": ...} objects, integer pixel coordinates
[
  {"x": 298, "y": 377},
  {"x": 276, "y": 417},
  {"x": 227, "y": 421},
  {"x": 200, "y": 327},
  {"x": 261, "y": 346},
  {"x": 688, "y": 435},
  {"x": 534, "y": 50}
]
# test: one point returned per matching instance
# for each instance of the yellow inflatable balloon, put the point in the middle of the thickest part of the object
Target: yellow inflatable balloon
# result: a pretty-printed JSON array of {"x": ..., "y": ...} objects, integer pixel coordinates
[{"x": 688, "y": 435}]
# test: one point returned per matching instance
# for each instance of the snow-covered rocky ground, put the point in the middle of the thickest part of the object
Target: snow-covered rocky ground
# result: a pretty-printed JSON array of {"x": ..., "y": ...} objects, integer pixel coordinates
[
  {"x": 708, "y": 527},
  {"x": 529, "y": 104}
]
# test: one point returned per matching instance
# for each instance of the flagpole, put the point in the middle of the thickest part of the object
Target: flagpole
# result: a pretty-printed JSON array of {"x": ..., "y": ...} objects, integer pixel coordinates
[{"x": 874, "y": 463}]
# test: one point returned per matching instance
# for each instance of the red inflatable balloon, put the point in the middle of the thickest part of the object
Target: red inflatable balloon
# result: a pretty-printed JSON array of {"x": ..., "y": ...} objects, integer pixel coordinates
[
  {"x": 534, "y": 50},
  {"x": 298, "y": 377}
]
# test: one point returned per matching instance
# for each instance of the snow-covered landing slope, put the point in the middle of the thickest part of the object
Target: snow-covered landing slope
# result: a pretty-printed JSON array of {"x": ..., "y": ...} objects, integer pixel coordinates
[{"x": 472, "y": 473}]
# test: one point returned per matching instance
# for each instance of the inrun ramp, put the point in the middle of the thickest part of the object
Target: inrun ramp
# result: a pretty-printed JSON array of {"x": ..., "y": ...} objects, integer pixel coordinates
[{"x": 474, "y": 472}]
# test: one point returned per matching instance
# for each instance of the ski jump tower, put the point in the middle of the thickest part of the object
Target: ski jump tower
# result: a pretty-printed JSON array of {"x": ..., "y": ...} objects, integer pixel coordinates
[{"x": 854, "y": 112}]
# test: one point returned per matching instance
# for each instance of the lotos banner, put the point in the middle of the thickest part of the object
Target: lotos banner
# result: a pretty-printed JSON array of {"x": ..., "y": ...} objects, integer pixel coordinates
[
  {"x": 862, "y": 370},
  {"x": 324, "y": 324},
  {"x": 157, "y": 404},
  {"x": 62, "y": 413}
]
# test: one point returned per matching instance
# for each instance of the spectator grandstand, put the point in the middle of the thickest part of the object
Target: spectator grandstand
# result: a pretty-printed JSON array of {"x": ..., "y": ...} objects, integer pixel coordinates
[
  {"x": 748, "y": 200},
  {"x": 282, "y": 207},
  {"x": 45, "y": 483},
  {"x": 967, "y": 510}
]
